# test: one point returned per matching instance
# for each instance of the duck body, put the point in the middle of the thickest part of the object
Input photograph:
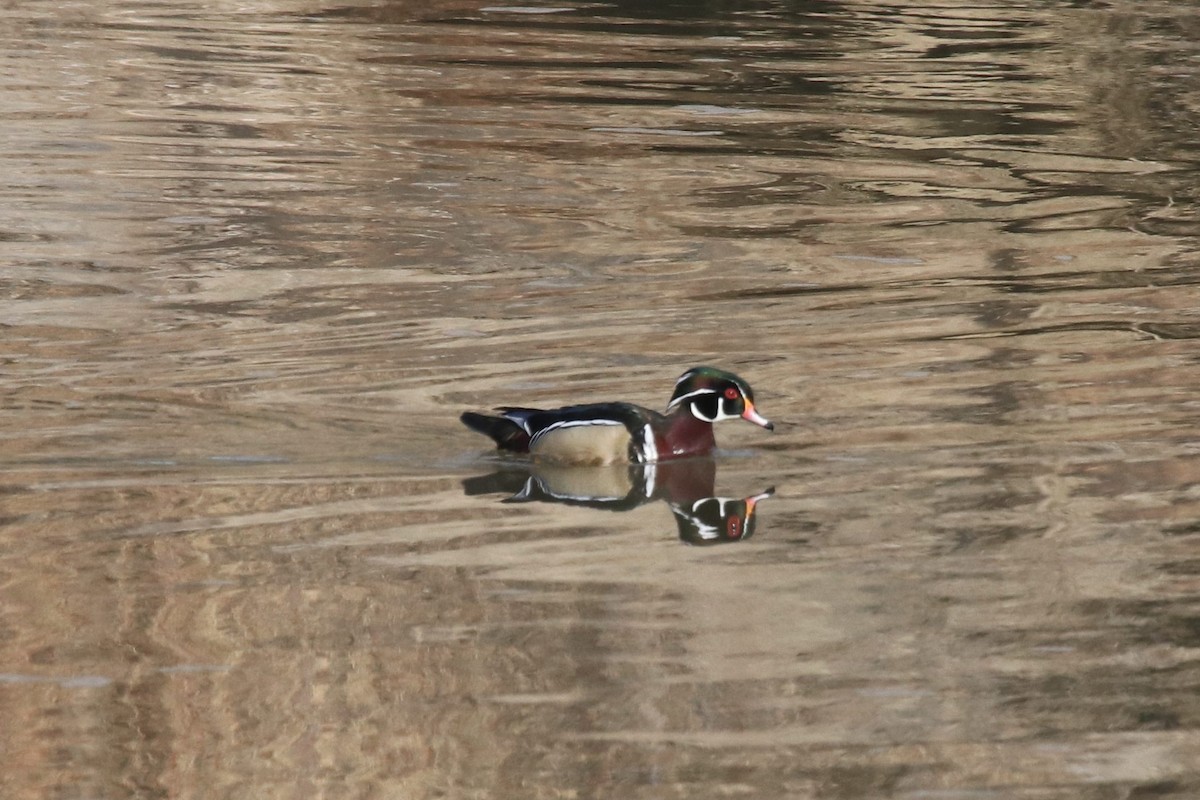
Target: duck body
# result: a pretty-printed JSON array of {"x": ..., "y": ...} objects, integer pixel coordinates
[{"x": 604, "y": 433}]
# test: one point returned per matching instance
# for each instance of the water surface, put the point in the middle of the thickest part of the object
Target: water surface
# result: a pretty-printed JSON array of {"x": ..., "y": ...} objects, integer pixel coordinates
[{"x": 256, "y": 257}]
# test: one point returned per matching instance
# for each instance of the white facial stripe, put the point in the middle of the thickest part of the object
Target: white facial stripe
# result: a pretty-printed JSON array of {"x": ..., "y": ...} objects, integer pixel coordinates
[{"x": 683, "y": 397}]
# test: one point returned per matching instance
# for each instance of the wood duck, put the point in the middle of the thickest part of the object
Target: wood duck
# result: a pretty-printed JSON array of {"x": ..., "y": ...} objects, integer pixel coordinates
[{"x": 604, "y": 433}]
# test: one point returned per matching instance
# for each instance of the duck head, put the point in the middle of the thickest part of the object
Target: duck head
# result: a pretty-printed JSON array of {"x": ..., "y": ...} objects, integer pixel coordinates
[{"x": 712, "y": 395}]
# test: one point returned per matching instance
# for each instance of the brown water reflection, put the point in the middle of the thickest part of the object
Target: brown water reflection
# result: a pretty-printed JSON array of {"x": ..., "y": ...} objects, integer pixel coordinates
[
  {"x": 256, "y": 257},
  {"x": 280, "y": 631}
]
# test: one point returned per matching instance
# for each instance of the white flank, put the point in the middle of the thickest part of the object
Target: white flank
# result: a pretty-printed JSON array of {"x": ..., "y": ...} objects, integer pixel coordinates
[{"x": 573, "y": 423}]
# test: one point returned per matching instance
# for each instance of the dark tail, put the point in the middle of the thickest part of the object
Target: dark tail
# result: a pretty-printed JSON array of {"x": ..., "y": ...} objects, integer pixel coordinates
[{"x": 507, "y": 434}]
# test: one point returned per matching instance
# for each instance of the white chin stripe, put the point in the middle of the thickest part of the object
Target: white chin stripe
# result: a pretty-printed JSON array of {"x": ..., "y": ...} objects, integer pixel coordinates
[{"x": 721, "y": 415}]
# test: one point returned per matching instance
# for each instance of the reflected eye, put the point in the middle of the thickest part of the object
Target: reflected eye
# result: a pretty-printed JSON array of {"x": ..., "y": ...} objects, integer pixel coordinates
[
  {"x": 731, "y": 393},
  {"x": 733, "y": 527}
]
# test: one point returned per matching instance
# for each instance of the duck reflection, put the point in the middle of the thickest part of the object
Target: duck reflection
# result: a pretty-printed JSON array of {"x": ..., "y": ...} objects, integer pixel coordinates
[{"x": 687, "y": 486}]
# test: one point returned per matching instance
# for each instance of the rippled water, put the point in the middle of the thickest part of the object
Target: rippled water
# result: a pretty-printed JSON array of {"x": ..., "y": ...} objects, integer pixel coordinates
[{"x": 256, "y": 257}]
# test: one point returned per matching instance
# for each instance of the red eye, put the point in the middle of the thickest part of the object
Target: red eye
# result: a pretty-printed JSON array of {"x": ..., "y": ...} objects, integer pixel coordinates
[{"x": 732, "y": 393}]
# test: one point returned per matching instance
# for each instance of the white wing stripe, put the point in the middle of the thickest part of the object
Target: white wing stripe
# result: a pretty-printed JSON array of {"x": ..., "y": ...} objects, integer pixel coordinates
[{"x": 572, "y": 423}]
